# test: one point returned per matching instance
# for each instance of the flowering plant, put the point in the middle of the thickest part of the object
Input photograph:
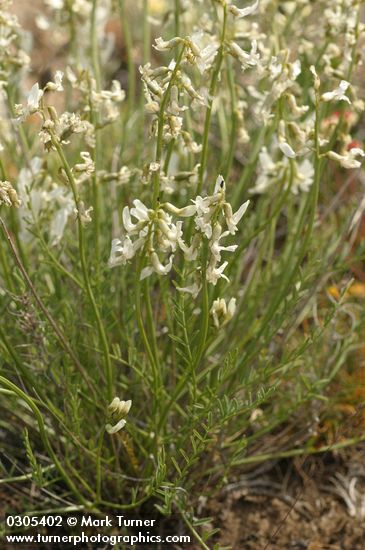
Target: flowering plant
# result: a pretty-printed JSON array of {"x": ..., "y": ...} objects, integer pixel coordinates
[{"x": 216, "y": 189}]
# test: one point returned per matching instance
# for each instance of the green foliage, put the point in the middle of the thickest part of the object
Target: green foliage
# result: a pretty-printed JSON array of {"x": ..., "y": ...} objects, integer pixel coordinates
[{"x": 207, "y": 400}]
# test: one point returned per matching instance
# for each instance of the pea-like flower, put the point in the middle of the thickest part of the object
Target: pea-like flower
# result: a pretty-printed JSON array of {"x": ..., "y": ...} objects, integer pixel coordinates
[
  {"x": 34, "y": 97},
  {"x": 221, "y": 312},
  {"x": 348, "y": 160},
  {"x": 338, "y": 94},
  {"x": 208, "y": 207},
  {"x": 8, "y": 195},
  {"x": 243, "y": 12},
  {"x": 117, "y": 411}
]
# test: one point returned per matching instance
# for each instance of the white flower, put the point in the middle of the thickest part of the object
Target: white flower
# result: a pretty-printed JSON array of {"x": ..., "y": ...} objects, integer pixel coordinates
[
  {"x": 277, "y": 172},
  {"x": 114, "y": 429},
  {"x": 84, "y": 213},
  {"x": 354, "y": 499},
  {"x": 214, "y": 273},
  {"x": 233, "y": 219},
  {"x": 303, "y": 178},
  {"x": 55, "y": 4},
  {"x": 140, "y": 212},
  {"x": 117, "y": 410},
  {"x": 158, "y": 267},
  {"x": 296, "y": 110},
  {"x": 203, "y": 56},
  {"x": 56, "y": 86},
  {"x": 8, "y": 195},
  {"x": 246, "y": 59},
  {"x": 87, "y": 166},
  {"x": 317, "y": 82},
  {"x": 190, "y": 252},
  {"x": 34, "y": 98},
  {"x": 121, "y": 251},
  {"x": 214, "y": 243},
  {"x": 206, "y": 57},
  {"x": 338, "y": 94},
  {"x": 115, "y": 94},
  {"x": 184, "y": 212},
  {"x": 348, "y": 160},
  {"x": 286, "y": 149},
  {"x": 64, "y": 203},
  {"x": 222, "y": 313},
  {"x": 243, "y": 12},
  {"x": 156, "y": 233},
  {"x": 162, "y": 45},
  {"x": 194, "y": 289},
  {"x": 120, "y": 407}
]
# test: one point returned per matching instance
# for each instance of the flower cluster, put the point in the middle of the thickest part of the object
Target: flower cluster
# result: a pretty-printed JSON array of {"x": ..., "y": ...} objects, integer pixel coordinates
[
  {"x": 276, "y": 168},
  {"x": 165, "y": 82},
  {"x": 8, "y": 195},
  {"x": 210, "y": 212},
  {"x": 117, "y": 411},
  {"x": 154, "y": 234},
  {"x": 12, "y": 57}
]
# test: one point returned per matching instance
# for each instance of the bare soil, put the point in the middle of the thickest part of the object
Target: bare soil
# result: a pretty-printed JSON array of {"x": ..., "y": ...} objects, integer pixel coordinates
[{"x": 298, "y": 505}]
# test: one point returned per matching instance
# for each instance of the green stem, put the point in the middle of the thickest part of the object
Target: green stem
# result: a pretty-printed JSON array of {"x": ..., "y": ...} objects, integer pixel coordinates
[
  {"x": 232, "y": 141},
  {"x": 42, "y": 430},
  {"x": 146, "y": 33},
  {"x": 299, "y": 452},
  {"x": 6, "y": 273},
  {"x": 54, "y": 260},
  {"x": 150, "y": 322},
  {"x": 98, "y": 466},
  {"x": 203, "y": 331},
  {"x": 143, "y": 332},
  {"x": 177, "y": 17},
  {"x": 161, "y": 120},
  {"x": 84, "y": 268},
  {"x": 126, "y": 26},
  {"x": 193, "y": 530},
  {"x": 95, "y": 46},
  {"x": 57, "y": 330},
  {"x": 94, "y": 119},
  {"x": 208, "y": 116},
  {"x": 311, "y": 205}
]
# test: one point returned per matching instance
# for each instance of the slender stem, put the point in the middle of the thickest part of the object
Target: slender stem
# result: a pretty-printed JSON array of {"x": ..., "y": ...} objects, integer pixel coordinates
[
  {"x": 143, "y": 331},
  {"x": 57, "y": 330},
  {"x": 126, "y": 26},
  {"x": 14, "y": 221},
  {"x": 161, "y": 120},
  {"x": 146, "y": 33},
  {"x": 94, "y": 119},
  {"x": 150, "y": 322},
  {"x": 95, "y": 45},
  {"x": 193, "y": 530},
  {"x": 299, "y": 452},
  {"x": 208, "y": 116},
  {"x": 44, "y": 437},
  {"x": 88, "y": 288},
  {"x": 232, "y": 140},
  {"x": 15, "y": 357},
  {"x": 311, "y": 205},
  {"x": 150, "y": 353},
  {"x": 6, "y": 273},
  {"x": 177, "y": 17},
  {"x": 54, "y": 260},
  {"x": 203, "y": 332},
  {"x": 98, "y": 466}
]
